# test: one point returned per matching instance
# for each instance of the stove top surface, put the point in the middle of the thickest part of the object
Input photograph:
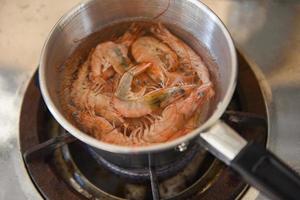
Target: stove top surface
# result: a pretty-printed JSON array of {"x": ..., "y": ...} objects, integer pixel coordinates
[{"x": 267, "y": 32}]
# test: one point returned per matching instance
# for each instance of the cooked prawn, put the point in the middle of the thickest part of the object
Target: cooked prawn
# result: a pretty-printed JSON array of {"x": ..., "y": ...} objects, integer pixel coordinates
[
  {"x": 86, "y": 99},
  {"x": 101, "y": 129},
  {"x": 95, "y": 125},
  {"x": 149, "y": 49},
  {"x": 151, "y": 101},
  {"x": 133, "y": 32},
  {"x": 107, "y": 55},
  {"x": 176, "y": 115},
  {"x": 167, "y": 127},
  {"x": 186, "y": 55},
  {"x": 110, "y": 57},
  {"x": 124, "y": 91}
]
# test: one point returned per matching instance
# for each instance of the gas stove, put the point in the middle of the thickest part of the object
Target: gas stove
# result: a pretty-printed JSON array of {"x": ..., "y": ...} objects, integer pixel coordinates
[{"x": 267, "y": 36}]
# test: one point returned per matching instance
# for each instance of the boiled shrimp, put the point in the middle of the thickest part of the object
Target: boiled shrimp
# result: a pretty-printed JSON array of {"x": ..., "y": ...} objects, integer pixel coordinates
[
  {"x": 131, "y": 104},
  {"x": 101, "y": 129},
  {"x": 124, "y": 91},
  {"x": 107, "y": 55},
  {"x": 95, "y": 125},
  {"x": 176, "y": 115},
  {"x": 186, "y": 55},
  {"x": 110, "y": 57},
  {"x": 149, "y": 49},
  {"x": 133, "y": 32},
  {"x": 151, "y": 101},
  {"x": 86, "y": 99},
  {"x": 167, "y": 127}
]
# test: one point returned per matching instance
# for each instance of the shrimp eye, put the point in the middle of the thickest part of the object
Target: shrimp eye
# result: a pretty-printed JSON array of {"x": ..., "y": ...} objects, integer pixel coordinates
[
  {"x": 181, "y": 91},
  {"x": 201, "y": 94},
  {"x": 75, "y": 114}
]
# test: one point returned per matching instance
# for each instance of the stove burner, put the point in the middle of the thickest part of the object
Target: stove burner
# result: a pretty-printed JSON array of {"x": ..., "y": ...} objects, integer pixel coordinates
[
  {"x": 123, "y": 187},
  {"x": 140, "y": 175},
  {"x": 73, "y": 171}
]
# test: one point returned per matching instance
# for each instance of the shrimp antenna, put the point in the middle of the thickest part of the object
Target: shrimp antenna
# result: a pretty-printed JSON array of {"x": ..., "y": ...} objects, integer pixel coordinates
[{"x": 163, "y": 12}]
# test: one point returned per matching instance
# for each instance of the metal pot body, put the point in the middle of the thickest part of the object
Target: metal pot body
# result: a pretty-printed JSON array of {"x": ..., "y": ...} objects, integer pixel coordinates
[
  {"x": 204, "y": 28},
  {"x": 132, "y": 161}
]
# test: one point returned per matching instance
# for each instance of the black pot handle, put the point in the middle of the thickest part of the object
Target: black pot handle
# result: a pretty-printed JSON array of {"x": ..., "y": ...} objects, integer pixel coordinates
[{"x": 267, "y": 173}]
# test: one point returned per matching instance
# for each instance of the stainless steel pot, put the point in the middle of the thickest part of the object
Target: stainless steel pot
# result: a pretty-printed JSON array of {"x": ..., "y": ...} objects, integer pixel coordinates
[
  {"x": 92, "y": 16},
  {"x": 189, "y": 15}
]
